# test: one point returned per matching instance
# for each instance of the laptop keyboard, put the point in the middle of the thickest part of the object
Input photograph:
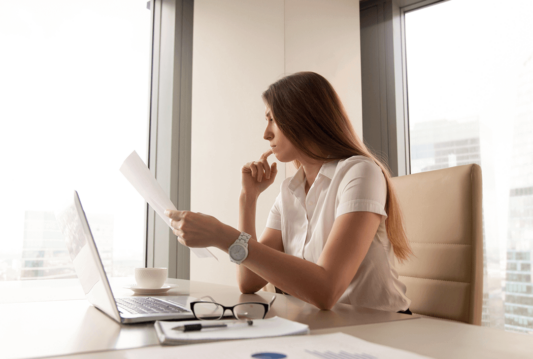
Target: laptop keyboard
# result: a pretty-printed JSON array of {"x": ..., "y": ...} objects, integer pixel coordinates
[{"x": 141, "y": 305}]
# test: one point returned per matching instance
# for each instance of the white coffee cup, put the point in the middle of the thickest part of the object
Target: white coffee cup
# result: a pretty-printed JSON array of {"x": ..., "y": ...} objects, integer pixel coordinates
[{"x": 151, "y": 278}]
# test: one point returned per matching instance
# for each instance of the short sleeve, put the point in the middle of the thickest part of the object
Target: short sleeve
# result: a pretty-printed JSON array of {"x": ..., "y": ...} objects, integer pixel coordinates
[
  {"x": 274, "y": 218},
  {"x": 363, "y": 189}
]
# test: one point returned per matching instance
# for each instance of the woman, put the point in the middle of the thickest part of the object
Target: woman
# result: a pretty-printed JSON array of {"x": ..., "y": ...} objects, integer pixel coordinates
[{"x": 336, "y": 226}]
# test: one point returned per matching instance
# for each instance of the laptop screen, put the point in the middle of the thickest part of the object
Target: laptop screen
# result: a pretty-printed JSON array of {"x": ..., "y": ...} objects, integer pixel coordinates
[{"x": 85, "y": 257}]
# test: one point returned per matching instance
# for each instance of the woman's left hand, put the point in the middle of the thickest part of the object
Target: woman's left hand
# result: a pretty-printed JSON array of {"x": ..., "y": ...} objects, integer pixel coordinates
[{"x": 197, "y": 230}]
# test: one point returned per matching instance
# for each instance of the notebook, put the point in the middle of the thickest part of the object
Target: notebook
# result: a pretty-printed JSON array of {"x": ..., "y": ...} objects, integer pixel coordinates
[{"x": 261, "y": 328}]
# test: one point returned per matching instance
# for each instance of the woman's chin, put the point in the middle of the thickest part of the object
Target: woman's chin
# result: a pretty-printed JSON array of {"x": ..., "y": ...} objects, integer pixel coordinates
[{"x": 280, "y": 158}]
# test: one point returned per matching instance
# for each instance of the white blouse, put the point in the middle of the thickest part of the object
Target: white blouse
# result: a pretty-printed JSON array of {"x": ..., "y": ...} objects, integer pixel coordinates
[{"x": 342, "y": 186}]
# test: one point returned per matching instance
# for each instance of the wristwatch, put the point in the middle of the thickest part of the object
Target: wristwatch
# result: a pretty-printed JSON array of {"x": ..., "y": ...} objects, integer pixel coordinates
[{"x": 238, "y": 251}]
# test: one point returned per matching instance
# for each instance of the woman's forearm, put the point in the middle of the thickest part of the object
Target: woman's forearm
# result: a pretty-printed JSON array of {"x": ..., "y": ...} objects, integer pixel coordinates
[
  {"x": 298, "y": 277},
  {"x": 320, "y": 284},
  {"x": 249, "y": 282},
  {"x": 323, "y": 283},
  {"x": 247, "y": 209}
]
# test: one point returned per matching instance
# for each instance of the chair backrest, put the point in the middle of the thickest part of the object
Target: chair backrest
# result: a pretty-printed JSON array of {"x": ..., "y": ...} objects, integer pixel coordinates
[{"x": 443, "y": 220}]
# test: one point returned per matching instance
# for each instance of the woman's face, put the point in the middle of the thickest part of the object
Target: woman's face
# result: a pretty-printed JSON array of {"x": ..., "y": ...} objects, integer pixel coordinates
[{"x": 282, "y": 148}]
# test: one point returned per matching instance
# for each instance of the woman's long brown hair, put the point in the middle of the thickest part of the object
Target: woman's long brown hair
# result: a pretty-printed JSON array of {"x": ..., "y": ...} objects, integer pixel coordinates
[{"x": 310, "y": 114}]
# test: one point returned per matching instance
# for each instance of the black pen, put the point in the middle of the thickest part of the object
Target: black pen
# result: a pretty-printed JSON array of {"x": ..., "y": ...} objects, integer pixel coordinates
[{"x": 197, "y": 327}]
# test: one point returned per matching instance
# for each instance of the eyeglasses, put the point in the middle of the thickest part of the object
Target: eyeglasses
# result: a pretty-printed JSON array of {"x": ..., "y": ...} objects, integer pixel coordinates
[{"x": 204, "y": 310}]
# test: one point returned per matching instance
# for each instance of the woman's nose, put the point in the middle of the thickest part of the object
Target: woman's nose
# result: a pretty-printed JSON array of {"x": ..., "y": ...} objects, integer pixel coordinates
[{"x": 268, "y": 135}]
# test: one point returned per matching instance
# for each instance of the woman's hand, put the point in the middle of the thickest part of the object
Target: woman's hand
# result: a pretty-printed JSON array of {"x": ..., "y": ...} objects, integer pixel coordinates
[
  {"x": 258, "y": 175},
  {"x": 198, "y": 230}
]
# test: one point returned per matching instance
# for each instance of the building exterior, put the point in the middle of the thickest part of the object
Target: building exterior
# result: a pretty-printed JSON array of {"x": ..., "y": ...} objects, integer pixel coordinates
[
  {"x": 519, "y": 292},
  {"x": 444, "y": 143},
  {"x": 485, "y": 310},
  {"x": 519, "y": 287},
  {"x": 44, "y": 253}
]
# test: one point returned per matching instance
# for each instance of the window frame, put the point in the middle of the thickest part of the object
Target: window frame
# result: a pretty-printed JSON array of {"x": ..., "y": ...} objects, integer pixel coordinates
[
  {"x": 385, "y": 109},
  {"x": 169, "y": 149}
]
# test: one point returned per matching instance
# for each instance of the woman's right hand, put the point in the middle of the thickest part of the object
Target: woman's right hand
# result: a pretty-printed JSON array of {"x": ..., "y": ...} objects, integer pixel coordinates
[{"x": 258, "y": 175}]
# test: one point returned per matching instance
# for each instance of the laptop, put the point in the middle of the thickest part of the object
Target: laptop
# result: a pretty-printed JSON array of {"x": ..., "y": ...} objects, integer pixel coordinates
[{"x": 88, "y": 266}]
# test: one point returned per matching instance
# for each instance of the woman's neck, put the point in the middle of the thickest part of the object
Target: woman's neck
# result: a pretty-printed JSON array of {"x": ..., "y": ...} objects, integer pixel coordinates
[{"x": 311, "y": 170}]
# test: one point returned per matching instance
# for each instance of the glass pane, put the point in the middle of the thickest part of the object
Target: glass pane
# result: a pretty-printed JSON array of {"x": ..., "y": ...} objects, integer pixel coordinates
[
  {"x": 208, "y": 311},
  {"x": 470, "y": 90},
  {"x": 249, "y": 311},
  {"x": 74, "y": 103}
]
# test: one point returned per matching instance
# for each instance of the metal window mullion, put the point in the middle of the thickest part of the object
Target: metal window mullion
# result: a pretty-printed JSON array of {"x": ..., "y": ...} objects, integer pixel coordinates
[
  {"x": 152, "y": 153},
  {"x": 402, "y": 97},
  {"x": 401, "y": 7},
  {"x": 183, "y": 187},
  {"x": 170, "y": 128}
]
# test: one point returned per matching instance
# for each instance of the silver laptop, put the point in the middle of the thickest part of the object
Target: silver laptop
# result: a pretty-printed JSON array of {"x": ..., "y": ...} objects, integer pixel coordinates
[{"x": 88, "y": 266}]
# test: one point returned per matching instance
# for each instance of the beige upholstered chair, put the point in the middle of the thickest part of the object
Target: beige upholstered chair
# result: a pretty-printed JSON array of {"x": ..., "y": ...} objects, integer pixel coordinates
[{"x": 443, "y": 220}]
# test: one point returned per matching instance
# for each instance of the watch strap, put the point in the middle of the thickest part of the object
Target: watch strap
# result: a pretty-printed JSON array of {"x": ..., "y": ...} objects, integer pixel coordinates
[
  {"x": 243, "y": 238},
  {"x": 242, "y": 241}
]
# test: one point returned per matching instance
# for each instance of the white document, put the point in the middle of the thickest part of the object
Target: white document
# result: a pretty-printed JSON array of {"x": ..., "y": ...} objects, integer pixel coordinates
[
  {"x": 261, "y": 328},
  {"x": 145, "y": 183},
  {"x": 325, "y": 346}
]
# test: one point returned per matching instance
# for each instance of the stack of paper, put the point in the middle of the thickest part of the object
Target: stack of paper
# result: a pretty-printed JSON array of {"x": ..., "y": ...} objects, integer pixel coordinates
[{"x": 262, "y": 328}]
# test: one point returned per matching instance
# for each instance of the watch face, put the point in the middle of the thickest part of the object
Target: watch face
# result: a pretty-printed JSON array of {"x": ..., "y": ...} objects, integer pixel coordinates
[{"x": 237, "y": 252}]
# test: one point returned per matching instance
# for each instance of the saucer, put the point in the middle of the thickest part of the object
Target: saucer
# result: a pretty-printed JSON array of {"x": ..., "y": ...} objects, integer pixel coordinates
[{"x": 140, "y": 290}]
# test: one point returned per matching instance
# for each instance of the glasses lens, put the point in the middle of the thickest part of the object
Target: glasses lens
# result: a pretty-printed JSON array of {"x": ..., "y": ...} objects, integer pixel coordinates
[
  {"x": 249, "y": 311},
  {"x": 208, "y": 311}
]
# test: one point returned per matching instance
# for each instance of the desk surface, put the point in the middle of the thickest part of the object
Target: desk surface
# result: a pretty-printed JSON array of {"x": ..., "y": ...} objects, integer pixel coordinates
[
  {"x": 429, "y": 337},
  {"x": 443, "y": 339},
  {"x": 51, "y": 328}
]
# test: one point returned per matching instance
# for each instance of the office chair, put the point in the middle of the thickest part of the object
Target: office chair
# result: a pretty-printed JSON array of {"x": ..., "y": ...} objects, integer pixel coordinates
[{"x": 443, "y": 220}]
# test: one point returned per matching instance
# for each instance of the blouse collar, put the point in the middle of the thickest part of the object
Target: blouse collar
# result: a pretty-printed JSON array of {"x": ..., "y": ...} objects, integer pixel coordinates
[{"x": 327, "y": 170}]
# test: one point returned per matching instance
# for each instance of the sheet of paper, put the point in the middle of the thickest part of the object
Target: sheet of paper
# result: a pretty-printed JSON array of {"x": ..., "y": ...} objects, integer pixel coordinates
[
  {"x": 325, "y": 346},
  {"x": 145, "y": 183}
]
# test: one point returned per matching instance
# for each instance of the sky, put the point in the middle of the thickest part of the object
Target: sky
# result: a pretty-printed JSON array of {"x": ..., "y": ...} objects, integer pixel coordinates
[{"x": 473, "y": 50}]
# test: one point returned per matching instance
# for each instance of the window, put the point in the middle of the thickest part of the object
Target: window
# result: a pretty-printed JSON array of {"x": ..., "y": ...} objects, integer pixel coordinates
[
  {"x": 75, "y": 102},
  {"x": 470, "y": 100}
]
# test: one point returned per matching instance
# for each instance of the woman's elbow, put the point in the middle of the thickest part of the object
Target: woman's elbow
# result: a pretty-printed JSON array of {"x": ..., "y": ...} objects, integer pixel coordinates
[
  {"x": 327, "y": 299},
  {"x": 324, "y": 306},
  {"x": 325, "y": 302},
  {"x": 245, "y": 290}
]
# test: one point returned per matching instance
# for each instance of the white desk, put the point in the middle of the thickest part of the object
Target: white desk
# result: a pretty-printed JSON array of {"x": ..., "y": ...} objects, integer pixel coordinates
[
  {"x": 443, "y": 339},
  {"x": 77, "y": 330},
  {"x": 430, "y": 337},
  {"x": 53, "y": 328}
]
